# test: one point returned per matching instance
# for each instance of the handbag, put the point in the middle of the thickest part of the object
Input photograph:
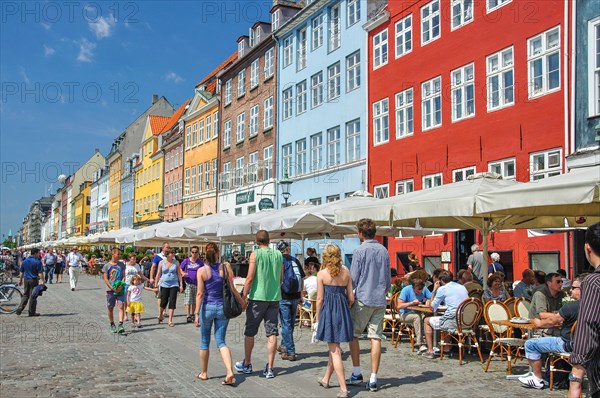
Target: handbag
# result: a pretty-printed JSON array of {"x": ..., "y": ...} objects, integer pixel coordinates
[{"x": 231, "y": 307}]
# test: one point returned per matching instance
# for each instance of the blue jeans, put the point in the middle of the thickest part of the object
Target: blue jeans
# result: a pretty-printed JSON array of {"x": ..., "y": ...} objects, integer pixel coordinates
[
  {"x": 287, "y": 318},
  {"x": 208, "y": 314},
  {"x": 49, "y": 272},
  {"x": 534, "y": 348}
]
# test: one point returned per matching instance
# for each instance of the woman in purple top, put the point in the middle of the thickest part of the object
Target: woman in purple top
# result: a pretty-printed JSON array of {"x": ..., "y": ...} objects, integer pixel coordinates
[
  {"x": 209, "y": 304},
  {"x": 190, "y": 267}
]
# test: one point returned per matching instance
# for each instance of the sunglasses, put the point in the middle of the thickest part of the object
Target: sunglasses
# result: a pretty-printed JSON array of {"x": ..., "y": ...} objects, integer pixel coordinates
[{"x": 194, "y": 252}]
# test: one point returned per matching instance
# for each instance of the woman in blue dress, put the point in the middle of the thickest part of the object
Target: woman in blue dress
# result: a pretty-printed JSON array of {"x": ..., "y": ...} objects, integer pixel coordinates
[{"x": 334, "y": 299}]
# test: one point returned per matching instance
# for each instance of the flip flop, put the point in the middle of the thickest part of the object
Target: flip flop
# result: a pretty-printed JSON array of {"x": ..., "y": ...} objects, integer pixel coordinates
[
  {"x": 322, "y": 384},
  {"x": 171, "y": 324},
  {"x": 201, "y": 378},
  {"x": 160, "y": 321},
  {"x": 229, "y": 381}
]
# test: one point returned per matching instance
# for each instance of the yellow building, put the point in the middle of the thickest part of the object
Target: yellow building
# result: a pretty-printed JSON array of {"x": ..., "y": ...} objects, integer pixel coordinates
[{"x": 81, "y": 204}]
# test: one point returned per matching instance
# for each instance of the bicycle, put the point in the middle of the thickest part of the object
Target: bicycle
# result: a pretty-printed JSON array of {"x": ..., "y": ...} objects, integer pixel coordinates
[{"x": 10, "y": 298}]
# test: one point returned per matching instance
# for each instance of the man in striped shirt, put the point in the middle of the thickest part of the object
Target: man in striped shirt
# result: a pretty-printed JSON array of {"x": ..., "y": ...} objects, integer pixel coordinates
[{"x": 586, "y": 351}]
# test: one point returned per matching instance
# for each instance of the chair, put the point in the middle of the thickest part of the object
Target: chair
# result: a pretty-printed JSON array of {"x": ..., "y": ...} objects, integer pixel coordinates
[
  {"x": 557, "y": 357},
  {"x": 501, "y": 335},
  {"x": 522, "y": 307},
  {"x": 468, "y": 314},
  {"x": 393, "y": 320},
  {"x": 307, "y": 314},
  {"x": 510, "y": 304},
  {"x": 476, "y": 293}
]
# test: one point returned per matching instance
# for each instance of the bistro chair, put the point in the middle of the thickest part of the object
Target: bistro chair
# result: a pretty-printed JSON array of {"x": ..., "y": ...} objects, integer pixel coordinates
[
  {"x": 476, "y": 293},
  {"x": 510, "y": 304},
  {"x": 521, "y": 307},
  {"x": 307, "y": 314},
  {"x": 468, "y": 314},
  {"x": 557, "y": 357},
  {"x": 502, "y": 337},
  {"x": 391, "y": 319}
]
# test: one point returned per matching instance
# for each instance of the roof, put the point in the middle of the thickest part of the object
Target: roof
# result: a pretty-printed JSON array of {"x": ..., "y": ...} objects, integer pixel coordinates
[
  {"x": 157, "y": 123},
  {"x": 212, "y": 74},
  {"x": 174, "y": 119}
]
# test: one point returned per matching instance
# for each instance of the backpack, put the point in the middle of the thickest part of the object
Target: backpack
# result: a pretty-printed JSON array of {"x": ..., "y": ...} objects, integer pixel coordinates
[{"x": 291, "y": 276}]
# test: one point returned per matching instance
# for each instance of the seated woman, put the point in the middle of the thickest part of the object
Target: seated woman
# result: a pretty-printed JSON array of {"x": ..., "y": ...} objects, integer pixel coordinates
[{"x": 495, "y": 290}]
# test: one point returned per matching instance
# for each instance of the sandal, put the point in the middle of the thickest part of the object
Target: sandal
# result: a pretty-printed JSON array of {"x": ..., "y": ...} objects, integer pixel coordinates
[
  {"x": 160, "y": 321},
  {"x": 323, "y": 384},
  {"x": 190, "y": 319},
  {"x": 171, "y": 324},
  {"x": 229, "y": 381},
  {"x": 201, "y": 378}
]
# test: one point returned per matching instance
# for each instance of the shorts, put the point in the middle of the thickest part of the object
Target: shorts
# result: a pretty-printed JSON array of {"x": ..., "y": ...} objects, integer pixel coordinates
[
  {"x": 367, "y": 317},
  {"x": 136, "y": 307},
  {"x": 58, "y": 269},
  {"x": 258, "y": 311},
  {"x": 112, "y": 299},
  {"x": 443, "y": 323},
  {"x": 190, "y": 294}
]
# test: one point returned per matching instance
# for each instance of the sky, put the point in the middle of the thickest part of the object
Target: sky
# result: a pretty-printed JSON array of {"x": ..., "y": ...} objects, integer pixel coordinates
[{"x": 75, "y": 74}]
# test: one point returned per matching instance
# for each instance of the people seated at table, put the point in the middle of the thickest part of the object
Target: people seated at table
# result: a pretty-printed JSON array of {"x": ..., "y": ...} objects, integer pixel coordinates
[
  {"x": 396, "y": 287},
  {"x": 495, "y": 289},
  {"x": 539, "y": 279},
  {"x": 310, "y": 284},
  {"x": 465, "y": 277},
  {"x": 524, "y": 289},
  {"x": 534, "y": 348},
  {"x": 566, "y": 283},
  {"x": 452, "y": 294},
  {"x": 548, "y": 298},
  {"x": 411, "y": 296},
  {"x": 434, "y": 278}
]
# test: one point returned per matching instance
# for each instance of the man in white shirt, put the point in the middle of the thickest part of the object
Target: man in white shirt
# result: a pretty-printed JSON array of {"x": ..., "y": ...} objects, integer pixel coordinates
[
  {"x": 74, "y": 261},
  {"x": 310, "y": 282}
]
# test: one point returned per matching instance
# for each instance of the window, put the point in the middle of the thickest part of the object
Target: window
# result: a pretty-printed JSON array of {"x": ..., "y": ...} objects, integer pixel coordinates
[
  {"x": 431, "y": 92},
  {"x": 353, "y": 12},
  {"x": 543, "y": 57},
  {"x": 239, "y": 172},
  {"x": 544, "y": 261},
  {"x": 463, "y": 92},
  {"x": 228, "y": 92},
  {"x": 252, "y": 38},
  {"x": 353, "y": 140},
  {"x": 316, "y": 201},
  {"x": 382, "y": 191},
  {"x": 252, "y": 167},
  {"x": 238, "y": 211},
  {"x": 546, "y": 164},
  {"x": 430, "y": 22},
  {"x": 301, "y": 157},
  {"x": 317, "y": 31},
  {"x": 404, "y": 113},
  {"x": 287, "y": 51},
  {"x": 301, "y": 97},
  {"x": 301, "y": 59},
  {"x": 380, "y": 122},
  {"x": 594, "y": 67},
  {"x": 241, "y": 83},
  {"x": 177, "y": 157},
  {"x": 252, "y": 209},
  {"x": 206, "y": 176},
  {"x": 193, "y": 180},
  {"x": 404, "y": 186},
  {"x": 239, "y": 131},
  {"x": 201, "y": 131},
  {"x": 286, "y": 160},
  {"x": 316, "y": 151},
  {"x": 493, "y": 4},
  {"x": 224, "y": 179},
  {"x": 333, "y": 146},
  {"x": 506, "y": 168},
  {"x": 462, "y": 174},
  {"x": 404, "y": 36},
  {"x": 333, "y": 81},
  {"x": 275, "y": 20},
  {"x": 208, "y": 127},
  {"x": 254, "y": 120},
  {"x": 215, "y": 124},
  {"x": 332, "y": 198},
  {"x": 269, "y": 63},
  {"x": 317, "y": 89},
  {"x": 287, "y": 103},
  {"x": 194, "y": 134},
  {"x": 353, "y": 71},
  {"x": 268, "y": 163},
  {"x": 432, "y": 180},
  {"x": 200, "y": 175},
  {"x": 334, "y": 27},
  {"x": 227, "y": 134},
  {"x": 500, "y": 79},
  {"x": 240, "y": 49},
  {"x": 462, "y": 13},
  {"x": 254, "y": 74},
  {"x": 268, "y": 113},
  {"x": 380, "y": 49},
  {"x": 214, "y": 174}
]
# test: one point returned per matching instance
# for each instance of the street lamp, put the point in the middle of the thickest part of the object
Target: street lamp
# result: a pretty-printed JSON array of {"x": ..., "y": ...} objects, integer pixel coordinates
[{"x": 286, "y": 184}]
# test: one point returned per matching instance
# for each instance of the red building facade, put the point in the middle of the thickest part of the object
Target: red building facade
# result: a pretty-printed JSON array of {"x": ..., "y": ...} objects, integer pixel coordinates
[{"x": 458, "y": 87}]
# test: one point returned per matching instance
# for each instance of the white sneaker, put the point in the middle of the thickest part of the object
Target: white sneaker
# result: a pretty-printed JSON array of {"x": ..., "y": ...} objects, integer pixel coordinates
[
  {"x": 423, "y": 348},
  {"x": 532, "y": 382},
  {"x": 436, "y": 350}
]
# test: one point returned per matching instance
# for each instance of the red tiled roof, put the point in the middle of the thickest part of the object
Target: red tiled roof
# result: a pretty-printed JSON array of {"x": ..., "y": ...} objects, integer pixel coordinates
[
  {"x": 225, "y": 63},
  {"x": 174, "y": 119},
  {"x": 157, "y": 123}
]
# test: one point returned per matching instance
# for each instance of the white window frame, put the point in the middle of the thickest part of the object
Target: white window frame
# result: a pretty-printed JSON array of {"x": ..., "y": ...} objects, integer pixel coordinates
[
  {"x": 381, "y": 191},
  {"x": 463, "y": 174},
  {"x": 200, "y": 131},
  {"x": 188, "y": 137},
  {"x": 405, "y": 112},
  {"x": 353, "y": 140},
  {"x": 200, "y": 186},
  {"x": 215, "y": 124},
  {"x": 381, "y": 123},
  {"x": 432, "y": 179},
  {"x": 430, "y": 20},
  {"x": 431, "y": 95},
  {"x": 301, "y": 97},
  {"x": 269, "y": 63},
  {"x": 461, "y": 13},
  {"x": 286, "y": 160},
  {"x": 240, "y": 49},
  {"x": 500, "y": 69},
  {"x": 241, "y": 80},
  {"x": 316, "y": 84},
  {"x": 317, "y": 31},
  {"x": 405, "y": 186},
  {"x": 254, "y": 120},
  {"x": 238, "y": 179},
  {"x": 499, "y": 3},
  {"x": 240, "y": 127},
  {"x": 353, "y": 71},
  {"x": 301, "y": 157},
  {"x": 268, "y": 113},
  {"x": 214, "y": 173},
  {"x": 208, "y": 128},
  {"x": 275, "y": 20},
  {"x": 352, "y": 12},
  {"x": 268, "y": 163},
  {"x": 403, "y": 37},
  {"x": 334, "y": 145},
  {"x": 227, "y": 134},
  {"x": 302, "y": 48},
  {"x": 252, "y": 168},
  {"x": 335, "y": 34},
  {"x": 502, "y": 167},
  {"x": 316, "y": 152},
  {"x": 287, "y": 51},
  {"x": 380, "y": 49},
  {"x": 254, "y": 74},
  {"x": 547, "y": 171},
  {"x": 463, "y": 92},
  {"x": 193, "y": 180},
  {"x": 594, "y": 67},
  {"x": 543, "y": 56},
  {"x": 333, "y": 81},
  {"x": 206, "y": 176},
  {"x": 228, "y": 91},
  {"x": 194, "y": 134},
  {"x": 288, "y": 100}
]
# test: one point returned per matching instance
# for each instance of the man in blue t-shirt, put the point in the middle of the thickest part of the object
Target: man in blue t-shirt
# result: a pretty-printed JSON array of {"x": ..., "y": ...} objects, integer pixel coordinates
[
  {"x": 31, "y": 275},
  {"x": 410, "y": 296}
]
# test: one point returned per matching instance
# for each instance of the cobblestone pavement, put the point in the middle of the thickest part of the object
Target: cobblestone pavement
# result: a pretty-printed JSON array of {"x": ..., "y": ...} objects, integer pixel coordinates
[{"x": 69, "y": 351}]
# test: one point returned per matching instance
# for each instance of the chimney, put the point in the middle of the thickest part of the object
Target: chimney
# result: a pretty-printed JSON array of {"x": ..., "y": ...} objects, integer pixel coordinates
[{"x": 154, "y": 99}]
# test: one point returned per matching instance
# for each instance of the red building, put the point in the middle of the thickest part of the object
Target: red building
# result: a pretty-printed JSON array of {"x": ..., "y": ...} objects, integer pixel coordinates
[{"x": 457, "y": 87}]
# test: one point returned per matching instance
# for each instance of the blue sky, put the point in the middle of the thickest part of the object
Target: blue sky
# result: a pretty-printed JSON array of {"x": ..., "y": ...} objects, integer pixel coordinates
[{"x": 75, "y": 74}]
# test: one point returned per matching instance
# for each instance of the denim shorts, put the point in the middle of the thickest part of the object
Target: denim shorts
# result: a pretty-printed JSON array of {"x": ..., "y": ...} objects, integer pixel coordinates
[
  {"x": 112, "y": 299},
  {"x": 534, "y": 348}
]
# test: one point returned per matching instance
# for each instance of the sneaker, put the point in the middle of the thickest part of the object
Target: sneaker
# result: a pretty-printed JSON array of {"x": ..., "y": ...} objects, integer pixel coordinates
[
  {"x": 72, "y": 289},
  {"x": 354, "y": 380},
  {"x": 372, "y": 386},
  {"x": 532, "y": 382},
  {"x": 436, "y": 350},
  {"x": 121, "y": 329},
  {"x": 18, "y": 312},
  {"x": 422, "y": 349},
  {"x": 268, "y": 372},
  {"x": 113, "y": 328},
  {"x": 429, "y": 355},
  {"x": 241, "y": 367}
]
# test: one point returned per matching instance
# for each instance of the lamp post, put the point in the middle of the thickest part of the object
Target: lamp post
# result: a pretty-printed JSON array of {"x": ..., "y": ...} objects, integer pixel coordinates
[{"x": 286, "y": 184}]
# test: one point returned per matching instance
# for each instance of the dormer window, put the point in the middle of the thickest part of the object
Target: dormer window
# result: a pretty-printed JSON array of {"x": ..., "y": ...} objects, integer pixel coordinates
[
  {"x": 252, "y": 37},
  {"x": 275, "y": 20},
  {"x": 240, "y": 48},
  {"x": 180, "y": 126},
  {"x": 257, "y": 37}
]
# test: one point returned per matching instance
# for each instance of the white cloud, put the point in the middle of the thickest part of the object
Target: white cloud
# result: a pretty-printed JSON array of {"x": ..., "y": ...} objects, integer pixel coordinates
[
  {"x": 174, "y": 77},
  {"x": 46, "y": 26},
  {"x": 103, "y": 27},
  {"x": 24, "y": 75},
  {"x": 86, "y": 48},
  {"x": 48, "y": 51}
]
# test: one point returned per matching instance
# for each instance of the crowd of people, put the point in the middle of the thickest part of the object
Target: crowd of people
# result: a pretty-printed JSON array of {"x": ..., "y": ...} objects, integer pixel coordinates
[{"x": 349, "y": 302}]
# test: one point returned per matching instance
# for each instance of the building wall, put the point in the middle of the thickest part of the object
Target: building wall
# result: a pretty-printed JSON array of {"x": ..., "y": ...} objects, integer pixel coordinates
[
  {"x": 173, "y": 180},
  {"x": 127, "y": 201},
  {"x": 114, "y": 205}
]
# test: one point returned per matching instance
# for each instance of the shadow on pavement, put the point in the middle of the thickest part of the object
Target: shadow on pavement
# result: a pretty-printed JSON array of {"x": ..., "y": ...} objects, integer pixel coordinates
[
  {"x": 60, "y": 314},
  {"x": 422, "y": 378},
  {"x": 89, "y": 288}
]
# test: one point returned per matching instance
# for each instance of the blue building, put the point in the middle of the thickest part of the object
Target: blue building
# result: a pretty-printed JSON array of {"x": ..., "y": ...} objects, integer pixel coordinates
[
  {"x": 127, "y": 195},
  {"x": 321, "y": 99}
]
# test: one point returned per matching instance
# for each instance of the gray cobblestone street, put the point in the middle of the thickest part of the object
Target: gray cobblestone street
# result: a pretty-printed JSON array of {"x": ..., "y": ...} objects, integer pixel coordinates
[{"x": 69, "y": 351}]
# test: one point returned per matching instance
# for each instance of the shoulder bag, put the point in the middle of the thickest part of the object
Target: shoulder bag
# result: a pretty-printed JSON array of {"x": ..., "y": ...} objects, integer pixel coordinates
[{"x": 231, "y": 307}]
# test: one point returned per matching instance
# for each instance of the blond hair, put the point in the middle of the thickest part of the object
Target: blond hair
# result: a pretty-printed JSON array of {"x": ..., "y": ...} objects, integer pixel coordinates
[{"x": 332, "y": 260}]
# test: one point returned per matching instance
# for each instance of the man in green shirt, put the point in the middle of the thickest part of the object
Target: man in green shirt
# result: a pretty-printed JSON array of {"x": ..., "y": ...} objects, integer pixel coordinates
[{"x": 261, "y": 296}]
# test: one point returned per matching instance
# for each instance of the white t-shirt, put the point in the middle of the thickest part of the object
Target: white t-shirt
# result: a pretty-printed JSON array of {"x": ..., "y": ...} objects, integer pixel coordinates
[
  {"x": 130, "y": 271},
  {"x": 74, "y": 259},
  {"x": 136, "y": 293},
  {"x": 310, "y": 285}
]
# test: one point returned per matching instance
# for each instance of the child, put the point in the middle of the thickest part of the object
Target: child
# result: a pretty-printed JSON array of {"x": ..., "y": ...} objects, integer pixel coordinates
[{"x": 134, "y": 299}]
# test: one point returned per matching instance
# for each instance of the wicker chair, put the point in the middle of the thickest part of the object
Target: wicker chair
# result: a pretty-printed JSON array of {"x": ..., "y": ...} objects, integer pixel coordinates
[
  {"x": 307, "y": 314},
  {"x": 468, "y": 314},
  {"x": 510, "y": 304},
  {"x": 521, "y": 307},
  {"x": 476, "y": 293},
  {"x": 556, "y": 357},
  {"x": 393, "y": 321},
  {"x": 503, "y": 342}
]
